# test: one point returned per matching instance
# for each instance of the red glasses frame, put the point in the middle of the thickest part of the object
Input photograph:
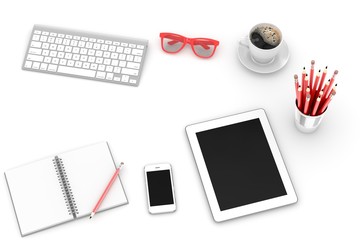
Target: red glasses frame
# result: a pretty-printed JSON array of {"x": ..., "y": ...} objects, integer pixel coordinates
[{"x": 176, "y": 38}]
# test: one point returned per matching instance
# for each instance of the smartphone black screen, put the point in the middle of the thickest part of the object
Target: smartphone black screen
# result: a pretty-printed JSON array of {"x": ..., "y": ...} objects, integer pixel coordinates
[{"x": 160, "y": 188}]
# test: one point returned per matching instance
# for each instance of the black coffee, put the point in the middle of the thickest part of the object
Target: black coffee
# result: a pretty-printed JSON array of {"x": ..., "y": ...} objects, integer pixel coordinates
[
  {"x": 265, "y": 37},
  {"x": 258, "y": 41}
]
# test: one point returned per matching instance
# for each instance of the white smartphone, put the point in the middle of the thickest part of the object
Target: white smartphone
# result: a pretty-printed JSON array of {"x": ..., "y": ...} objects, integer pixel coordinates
[{"x": 160, "y": 188}]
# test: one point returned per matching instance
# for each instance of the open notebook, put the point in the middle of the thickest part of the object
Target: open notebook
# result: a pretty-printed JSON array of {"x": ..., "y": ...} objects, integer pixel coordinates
[{"x": 63, "y": 187}]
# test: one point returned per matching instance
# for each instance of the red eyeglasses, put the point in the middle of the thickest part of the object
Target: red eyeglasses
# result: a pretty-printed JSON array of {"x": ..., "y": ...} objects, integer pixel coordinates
[{"x": 174, "y": 43}]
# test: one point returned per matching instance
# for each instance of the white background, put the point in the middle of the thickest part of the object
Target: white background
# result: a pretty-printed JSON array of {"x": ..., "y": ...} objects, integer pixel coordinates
[{"x": 43, "y": 114}]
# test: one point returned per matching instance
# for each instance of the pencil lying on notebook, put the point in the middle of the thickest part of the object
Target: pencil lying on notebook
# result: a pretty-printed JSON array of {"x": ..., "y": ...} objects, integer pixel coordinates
[
  {"x": 314, "y": 95},
  {"x": 103, "y": 195}
]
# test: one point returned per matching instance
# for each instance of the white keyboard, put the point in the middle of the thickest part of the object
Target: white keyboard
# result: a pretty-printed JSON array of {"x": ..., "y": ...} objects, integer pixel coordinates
[{"x": 85, "y": 55}]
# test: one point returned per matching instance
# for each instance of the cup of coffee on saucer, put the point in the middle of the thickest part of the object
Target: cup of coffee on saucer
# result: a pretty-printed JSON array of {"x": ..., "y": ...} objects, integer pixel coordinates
[{"x": 263, "y": 50}]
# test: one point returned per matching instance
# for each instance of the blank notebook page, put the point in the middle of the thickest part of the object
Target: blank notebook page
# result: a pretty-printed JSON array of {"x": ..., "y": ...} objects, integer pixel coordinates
[{"x": 37, "y": 195}]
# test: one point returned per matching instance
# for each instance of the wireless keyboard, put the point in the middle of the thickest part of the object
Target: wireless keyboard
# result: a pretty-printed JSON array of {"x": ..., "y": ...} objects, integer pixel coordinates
[{"x": 85, "y": 55}]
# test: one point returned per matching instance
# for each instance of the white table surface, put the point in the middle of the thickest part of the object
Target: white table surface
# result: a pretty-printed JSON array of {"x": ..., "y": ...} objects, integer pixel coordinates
[{"x": 43, "y": 114}]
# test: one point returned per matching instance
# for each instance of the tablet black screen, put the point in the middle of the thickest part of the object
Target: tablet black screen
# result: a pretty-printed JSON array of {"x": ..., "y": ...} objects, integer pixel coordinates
[{"x": 240, "y": 163}]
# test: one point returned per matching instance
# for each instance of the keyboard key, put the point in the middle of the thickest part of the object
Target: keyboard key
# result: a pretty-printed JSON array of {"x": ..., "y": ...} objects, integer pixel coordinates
[
  {"x": 119, "y": 49},
  {"x": 53, "y": 46},
  {"x": 133, "y": 81},
  {"x": 104, "y": 47},
  {"x": 129, "y": 71},
  {"x": 51, "y": 40},
  {"x": 101, "y": 67},
  {"x": 127, "y": 50},
  {"x": 115, "y": 63},
  {"x": 37, "y": 58},
  {"x": 107, "y": 61},
  {"x": 60, "y": 48},
  {"x": 86, "y": 65},
  {"x": 125, "y": 78},
  {"x": 43, "y": 38},
  {"x": 55, "y": 61},
  {"x": 78, "y": 64},
  {"x": 76, "y": 71},
  {"x": 53, "y": 53},
  {"x": 43, "y": 66},
  {"x": 109, "y": 69},
  {"x": 45, "y": 46},
  {"x": 47, "y": 59},
  {"x": 137, "y": 59},
  {"x": 109, "y": 76},
  {"x": 28, "y": 64},
  {"x": 129, "y": 58},
  {"x": 36, "y": 65},
  {"x": 70, "y": 63},
  {"x": 100, "y": 75},
  {"x": 117, "y": 69},
  {"x": 68, "y": 55},
  {"x": 36, "y": 37},
  {"x": 133, "y": 65},
  {"x": 36, "y": 51},
  {"x": 76, "y": 50},
  {"x": 52, "y": 68},
  {"x": 74, "y": 43},
  {"x": 58, "y": 40},
  {"x": 137, "y": 52},
  {"x": 93, "y": 66},
  {"x": 35, "y": 44},
  {"x": 122, "y": 64},
  {"x": 63, "y": 62}
]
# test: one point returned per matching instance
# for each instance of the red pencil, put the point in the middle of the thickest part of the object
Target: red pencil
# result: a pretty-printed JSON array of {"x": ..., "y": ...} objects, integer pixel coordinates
[
  {"x": 326, "y": 103},
  {"x": 316, "y": 106},
  {"x": 315, "y": 88},
  {"x": 296, "y": 88},
  {"x": 327, "y": 93},
  {"x": 296, "y": 80},
  {"x": 112, "y": 180},
  {"x": 312, "y": 74},
  {"x": 323, "y": 78},
  {"x": 307, "y": 102},
  {"x": 305, "y": 86},
  {"x": 303, "y": 74},
  {"x": 326, "y": 87},
  {"x": 299, "y": 99}
]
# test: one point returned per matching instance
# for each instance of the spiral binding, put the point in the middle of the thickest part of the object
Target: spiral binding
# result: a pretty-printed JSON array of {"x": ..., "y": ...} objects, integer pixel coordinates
[{"x": 65, "y": 186}]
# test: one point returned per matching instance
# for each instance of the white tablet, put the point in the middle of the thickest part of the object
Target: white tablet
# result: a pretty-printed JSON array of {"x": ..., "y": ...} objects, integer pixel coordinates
[{"x": 240, "y": 165}]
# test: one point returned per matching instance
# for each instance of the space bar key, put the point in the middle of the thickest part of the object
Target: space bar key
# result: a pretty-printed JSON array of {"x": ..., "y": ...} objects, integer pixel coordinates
[{"x": 76, "y": 71}]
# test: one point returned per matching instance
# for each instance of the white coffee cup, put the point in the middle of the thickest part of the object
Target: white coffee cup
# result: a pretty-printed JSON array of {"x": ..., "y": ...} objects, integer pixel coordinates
[{"x": 261, "y": 55}]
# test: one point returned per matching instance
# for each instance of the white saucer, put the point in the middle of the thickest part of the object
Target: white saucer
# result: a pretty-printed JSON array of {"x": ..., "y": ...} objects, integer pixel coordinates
[{"x": 279, "y": 61}]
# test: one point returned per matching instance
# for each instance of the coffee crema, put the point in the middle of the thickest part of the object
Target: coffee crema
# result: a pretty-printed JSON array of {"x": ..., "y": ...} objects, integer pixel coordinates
[{"x": 265, "y": 37}]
